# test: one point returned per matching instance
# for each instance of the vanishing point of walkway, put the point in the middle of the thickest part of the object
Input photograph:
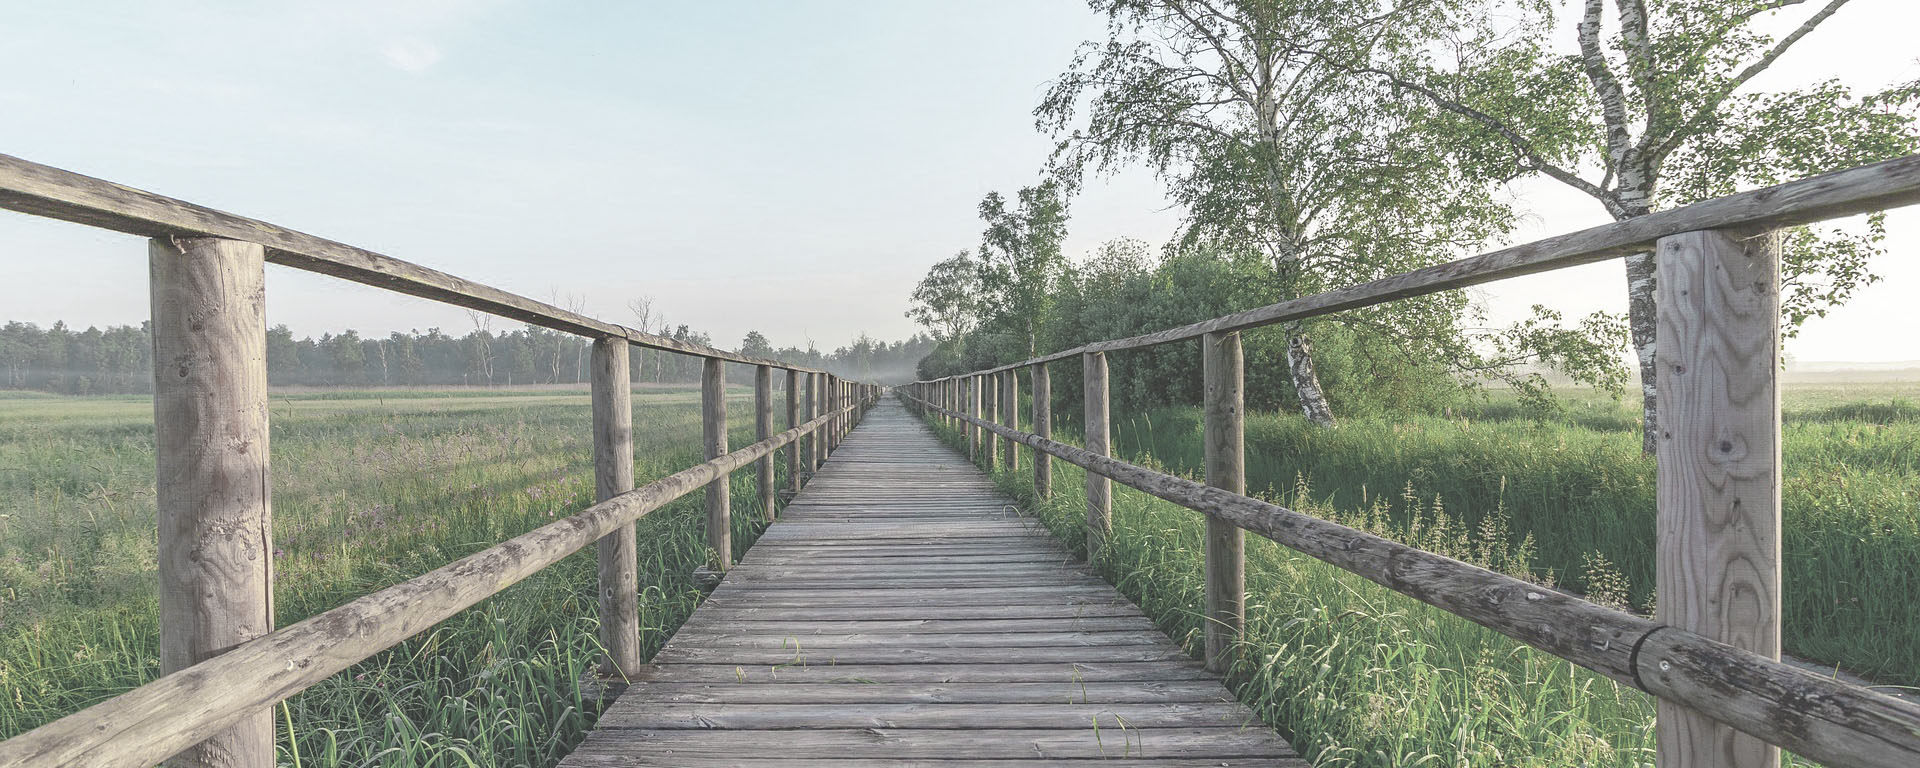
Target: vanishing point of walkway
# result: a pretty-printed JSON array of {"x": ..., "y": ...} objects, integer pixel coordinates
[{"x": 899, "y": 614}]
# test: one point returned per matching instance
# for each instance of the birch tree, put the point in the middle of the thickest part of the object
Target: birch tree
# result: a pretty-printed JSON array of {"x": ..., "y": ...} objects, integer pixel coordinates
[
  {"x": 1653, "y": 109},
  {"x": 1267, "y": 143}
]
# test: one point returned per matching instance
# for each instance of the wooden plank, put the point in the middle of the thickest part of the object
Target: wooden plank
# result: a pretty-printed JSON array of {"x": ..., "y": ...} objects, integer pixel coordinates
[
  {"x": 1226, "y": 559},
  {"x": 592, "y": 760},
  {"x": 739, "y": 637},
  {"x": 733, "y": 621},
  {"x": 213, "y": 495},
  {"x": 896, "y": 598},
  {"x": 612, "y": 476},
  {"x": 1719, "y": 479},
  {"x": 1058, "y": 691},
  {"x": 1117, "y": 716},
  {"x": 927, "y": 744}
]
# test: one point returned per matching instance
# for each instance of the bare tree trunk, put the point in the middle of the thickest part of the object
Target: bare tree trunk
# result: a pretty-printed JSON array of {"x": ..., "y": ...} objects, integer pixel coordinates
[{"x": 1306, "y": 380}]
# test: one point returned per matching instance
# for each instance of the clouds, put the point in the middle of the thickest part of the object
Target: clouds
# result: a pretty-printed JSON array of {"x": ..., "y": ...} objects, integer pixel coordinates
[{"x": 412, "y": 55}]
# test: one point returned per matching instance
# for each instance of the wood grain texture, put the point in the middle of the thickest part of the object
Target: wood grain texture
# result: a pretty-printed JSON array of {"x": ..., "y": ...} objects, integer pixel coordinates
[
  {"x": 810, "y": 445},
  {"x": 144, "y": 726},
  {"x": 1010, "y": 416},
  {"x": 1042, "y": 426},
  {"x": 213, "y": 496},
  {"x": 762, "y": 428},
  {"x": 612, "y": 476},
  {"x": 713, "y": 431},
  {"x": 901, "y": 611},
  {"x": 1719, "y": 480},
  {"x": 990, "y": 411},
  {"x": 1224, "y": 374},
  {"x": 1098, "y": 439},
  {"x": 793, "y": 420},
  {"x": 1823, "y": 719}
]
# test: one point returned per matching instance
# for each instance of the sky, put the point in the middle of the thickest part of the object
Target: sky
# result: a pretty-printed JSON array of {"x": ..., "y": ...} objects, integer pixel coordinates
[{"x": 787, "y": 167}]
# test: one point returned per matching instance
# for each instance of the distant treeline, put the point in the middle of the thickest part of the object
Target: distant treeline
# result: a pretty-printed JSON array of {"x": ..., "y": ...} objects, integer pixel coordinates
[{"x": 119, "y": 359}]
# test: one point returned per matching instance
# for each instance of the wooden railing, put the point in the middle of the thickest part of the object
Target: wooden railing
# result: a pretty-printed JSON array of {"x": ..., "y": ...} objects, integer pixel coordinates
[
  {"x": 1712, "y": 653},
  {"x": 223, "y": 665}
]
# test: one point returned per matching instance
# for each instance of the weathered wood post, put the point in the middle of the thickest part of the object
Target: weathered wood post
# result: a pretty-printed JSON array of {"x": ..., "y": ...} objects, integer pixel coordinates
[
  {"x": 1718, "y": 572},
  {"x": 953, "y": 400},
  {"x": 826, "y": 446},
  {"x": 1010, "y": 416},
  {"x": 1226, "y": 469},
  {"x": 990, "y": 401},
  {"x": 713, "y": 426},
  {"x": 763, "y": 429},
  {"x": 793, "y": 420},
  {"x": 1042, "y": 426},
  {"x": 213, "y": 494},
  {"x": 1093, "y": 366},
  {"x": 832, "y": 394},
  {"x": 612, "y": 476},
  {"x": 812, "y": 440},
  {"x": 972, "y": 410}
]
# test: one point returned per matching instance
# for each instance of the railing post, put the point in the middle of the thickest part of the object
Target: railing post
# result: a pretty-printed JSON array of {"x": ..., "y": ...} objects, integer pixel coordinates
[
  {"x": 1226, "y": 469},
  {"x": 833, "y": 407},
  {"x": 612, "y": 476},
  {"x": 213, "y": 496},
  {"x": 713, "y": 426},
  {"x": 1718, "y": 572},
  {"x": 1042, "y": 426},
  {"x": 972, "y": 410},
  {"x": 990, "y": 401},
  {"x": 809, "y": 447},
  {"x": 793, "y": 420},
  {"x": 763, "y": 429},
  {"x": 1093, "y": 366},
  {"x": 1010, "y": 415}
]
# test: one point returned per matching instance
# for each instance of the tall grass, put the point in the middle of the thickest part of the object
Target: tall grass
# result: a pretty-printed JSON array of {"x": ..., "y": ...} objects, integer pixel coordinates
[
  {"x": 368, "y": 492},
  {"x": 1351, "y": 672},
  {"x": 1578, "y": 484}
]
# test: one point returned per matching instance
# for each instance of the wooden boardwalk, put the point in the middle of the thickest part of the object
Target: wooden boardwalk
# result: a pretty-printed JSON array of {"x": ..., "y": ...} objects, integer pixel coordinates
[{"x": 900, "y": 613}]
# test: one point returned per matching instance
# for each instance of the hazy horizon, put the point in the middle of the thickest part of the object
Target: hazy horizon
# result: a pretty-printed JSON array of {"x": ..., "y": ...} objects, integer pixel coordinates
[{"x": 788, "y": 169}]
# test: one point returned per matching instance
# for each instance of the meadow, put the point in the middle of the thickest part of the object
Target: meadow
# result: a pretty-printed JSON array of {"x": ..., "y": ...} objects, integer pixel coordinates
[
  {"x": 1357, "y": 675},
  {"x": 370, "y": 489}
]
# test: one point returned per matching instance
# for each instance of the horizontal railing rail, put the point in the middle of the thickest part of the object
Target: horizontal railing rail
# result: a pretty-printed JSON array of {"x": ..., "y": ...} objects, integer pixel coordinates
[
  {"x": 1815, "y": 716},
  {"x": 221, "y": 664},
  {"x": 1869, "y": 188},
  {"x": 29, "y": 187},
  {"x": 157, "y": 720},
  {"x": 1710, "y": 654}
]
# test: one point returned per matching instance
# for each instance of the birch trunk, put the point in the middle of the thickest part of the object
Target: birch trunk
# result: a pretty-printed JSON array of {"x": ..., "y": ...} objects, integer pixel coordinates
[{"x": 1306, "y": 380}]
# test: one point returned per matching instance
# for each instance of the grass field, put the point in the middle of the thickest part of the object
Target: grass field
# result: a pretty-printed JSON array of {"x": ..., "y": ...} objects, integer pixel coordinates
[
  {"x": 1579, "y": 487},
  {"x": 1357, "y": 675},
  {"x": 370, "y": 489}
]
